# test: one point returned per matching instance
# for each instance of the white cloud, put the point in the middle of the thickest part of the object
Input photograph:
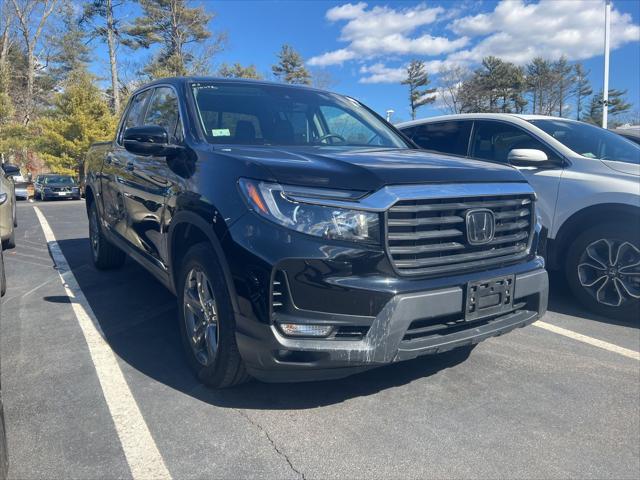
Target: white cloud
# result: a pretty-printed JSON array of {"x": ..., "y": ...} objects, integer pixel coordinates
[
  {"x": 379, "y": 31},
  {"x": 517, "y": 31},
  {"x": 380, "y": 73}
]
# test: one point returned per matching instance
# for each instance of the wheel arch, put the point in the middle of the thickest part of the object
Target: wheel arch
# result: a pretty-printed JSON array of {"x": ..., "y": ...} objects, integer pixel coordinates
[
  {"x": 187, "y": 229},
  {"x": 576, "y": 223},
  {"x": 89, "y": 197}
]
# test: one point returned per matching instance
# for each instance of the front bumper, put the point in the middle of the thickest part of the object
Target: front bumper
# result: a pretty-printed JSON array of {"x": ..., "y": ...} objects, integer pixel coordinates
[{"x": 394, "y": 334}]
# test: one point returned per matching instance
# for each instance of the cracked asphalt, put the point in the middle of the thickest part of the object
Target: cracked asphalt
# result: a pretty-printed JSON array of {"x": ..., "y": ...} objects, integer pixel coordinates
[{"x": 529, "y": 404}]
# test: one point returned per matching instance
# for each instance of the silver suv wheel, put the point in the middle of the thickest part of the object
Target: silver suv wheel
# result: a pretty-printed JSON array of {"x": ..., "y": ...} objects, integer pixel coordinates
[{"x": 609, "y": 270}]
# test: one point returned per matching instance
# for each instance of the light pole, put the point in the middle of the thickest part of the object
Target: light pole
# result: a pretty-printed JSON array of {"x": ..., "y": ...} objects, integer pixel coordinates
[
  {"x": 607, "y": 34},
  {"x": 389, "y": 113}
]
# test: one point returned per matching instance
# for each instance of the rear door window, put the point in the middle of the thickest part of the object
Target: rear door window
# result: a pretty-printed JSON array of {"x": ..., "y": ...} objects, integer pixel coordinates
[
  {"x": 133, "y": 116},
  {"x": 446, "y": 137}
]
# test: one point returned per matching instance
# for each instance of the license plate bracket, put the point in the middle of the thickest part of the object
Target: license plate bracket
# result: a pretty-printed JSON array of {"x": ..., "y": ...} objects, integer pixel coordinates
[{"x": 486, "y": 298}]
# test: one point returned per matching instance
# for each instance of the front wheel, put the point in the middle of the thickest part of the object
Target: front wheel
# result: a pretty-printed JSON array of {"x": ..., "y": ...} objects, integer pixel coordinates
[
  {"x": 206, "y": 320},
  {"x": 603, "y": 270}
]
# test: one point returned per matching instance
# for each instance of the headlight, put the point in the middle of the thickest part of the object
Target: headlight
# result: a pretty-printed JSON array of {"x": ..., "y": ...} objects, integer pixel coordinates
[{"x": 274, "y": 202}]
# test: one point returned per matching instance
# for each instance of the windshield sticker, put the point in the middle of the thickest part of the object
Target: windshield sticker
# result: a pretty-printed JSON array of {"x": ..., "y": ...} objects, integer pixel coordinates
[{"x": 221, "y": 132}]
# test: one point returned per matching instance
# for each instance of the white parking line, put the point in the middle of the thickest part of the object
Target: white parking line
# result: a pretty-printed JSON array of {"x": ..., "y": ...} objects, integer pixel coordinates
[
  {"x": 591, "y": 341},
  {"x": 141, "y": 451}
]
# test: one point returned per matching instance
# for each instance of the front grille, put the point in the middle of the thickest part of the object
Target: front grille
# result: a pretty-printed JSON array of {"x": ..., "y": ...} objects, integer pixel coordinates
[
  {"x": 61, "y": 189},
  {"x": 429, "y": 238}
]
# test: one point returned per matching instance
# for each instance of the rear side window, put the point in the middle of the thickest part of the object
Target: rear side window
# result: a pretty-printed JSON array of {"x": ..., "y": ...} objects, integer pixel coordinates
[
  {"x": 135, "y": 111},
  {"x": 445, "y": 137},
  {"x": 494, "y": 140},
  {"x": 163, "y": 110},
  {"x": 133, "y": 116}
]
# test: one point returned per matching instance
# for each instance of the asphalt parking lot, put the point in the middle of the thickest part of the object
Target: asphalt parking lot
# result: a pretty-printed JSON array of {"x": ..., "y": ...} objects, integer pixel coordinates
[{"x": 531, "y": 404}]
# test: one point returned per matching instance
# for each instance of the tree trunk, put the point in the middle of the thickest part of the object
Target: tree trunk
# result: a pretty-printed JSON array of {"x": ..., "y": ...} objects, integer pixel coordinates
[
  {"x": 31, "y": 73},
  {"x": 115, "y": 87}
]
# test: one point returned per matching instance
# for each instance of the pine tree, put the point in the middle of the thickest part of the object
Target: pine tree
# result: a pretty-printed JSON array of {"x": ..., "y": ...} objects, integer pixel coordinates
[
  {"x": 417, "y": 78},
  {"x": 563, "y": 74},
  {"x": 177, "y": 28},
  {"x": 99, "y": 17},
  {"x": 80, "y": 116},
  {"x": 238, "y": 71},
  {"x": 290, "y": 67},
  {"x": 70, "y": 50},
  {"x": 540, "y": 80},
  {"x": 617, "y": 104},
  {"x": 582, "y": 88}
]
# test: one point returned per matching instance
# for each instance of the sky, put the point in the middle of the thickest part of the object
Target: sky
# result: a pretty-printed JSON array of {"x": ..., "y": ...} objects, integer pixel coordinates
[{"x": 365, "y": 46}]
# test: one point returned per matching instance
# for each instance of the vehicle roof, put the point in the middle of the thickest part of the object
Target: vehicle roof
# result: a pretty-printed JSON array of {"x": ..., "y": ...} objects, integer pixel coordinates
[
  {"x": 240, "y": 81},
  {"x": 488, "y": 116}
]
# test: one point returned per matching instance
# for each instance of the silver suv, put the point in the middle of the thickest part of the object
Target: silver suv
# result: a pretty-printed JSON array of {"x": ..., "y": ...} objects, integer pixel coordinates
[{"x": 587, "y": 181}]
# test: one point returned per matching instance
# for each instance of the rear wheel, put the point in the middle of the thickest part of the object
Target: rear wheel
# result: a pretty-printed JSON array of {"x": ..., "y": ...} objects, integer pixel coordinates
[
  {"x": 105, "y": 255},
  {"x": 206, "y": 320},
  {"x": 603, "y": 270}
]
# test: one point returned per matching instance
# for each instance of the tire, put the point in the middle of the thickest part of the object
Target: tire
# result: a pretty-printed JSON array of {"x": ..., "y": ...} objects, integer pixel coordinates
[
  {"x": 595, "y": 269},
  {"x": 11, "y": 241},
  {"x": 105, "y": 255},
  {"x": 3, "y": 278},
  {"x": 15, "y": 216},
  {"x": 214, "y": 357}
]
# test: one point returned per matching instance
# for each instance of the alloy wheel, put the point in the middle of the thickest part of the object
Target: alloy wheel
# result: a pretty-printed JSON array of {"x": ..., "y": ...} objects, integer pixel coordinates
[
  {"x": 609, "y": 270},
  {"x": 200, "y": 316}
]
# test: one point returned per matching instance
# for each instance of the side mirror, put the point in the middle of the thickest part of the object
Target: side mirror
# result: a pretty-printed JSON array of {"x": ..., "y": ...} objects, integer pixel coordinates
[
  {"x": 10, "y": 170},
  {"x": 528, "y": 157},
  {"x": 147, "y": 140},
  {"x": 3, "y": 198}
]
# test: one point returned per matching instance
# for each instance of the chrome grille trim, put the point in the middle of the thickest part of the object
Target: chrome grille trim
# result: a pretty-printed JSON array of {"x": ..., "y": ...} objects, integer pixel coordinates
[{"x": 428, "y": 237}]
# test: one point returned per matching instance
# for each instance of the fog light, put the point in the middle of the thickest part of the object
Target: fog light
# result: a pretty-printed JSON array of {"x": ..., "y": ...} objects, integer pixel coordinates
[{"x": 299, "y": 330}]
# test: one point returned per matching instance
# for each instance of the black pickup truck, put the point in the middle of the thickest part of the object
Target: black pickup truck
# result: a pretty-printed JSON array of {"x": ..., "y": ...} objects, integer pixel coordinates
[{"x": 304, "y": 236}]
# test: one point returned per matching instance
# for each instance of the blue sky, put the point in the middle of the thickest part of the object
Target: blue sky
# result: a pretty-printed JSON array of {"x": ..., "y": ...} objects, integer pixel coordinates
[{"x": 365, "y": 45}]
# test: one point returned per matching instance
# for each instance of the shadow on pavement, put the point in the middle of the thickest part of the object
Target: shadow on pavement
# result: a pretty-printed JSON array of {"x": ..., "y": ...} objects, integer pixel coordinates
[
  {"x": 138, "y": 318},
  {"x": 561, "y": 301}
]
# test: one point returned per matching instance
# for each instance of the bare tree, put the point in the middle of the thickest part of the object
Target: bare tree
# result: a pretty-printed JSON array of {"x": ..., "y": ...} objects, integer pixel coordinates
[
  {"x": 450, "y": 80},
  {"x": 322, "y": 79},
  {"x": 32, "y": 17}
]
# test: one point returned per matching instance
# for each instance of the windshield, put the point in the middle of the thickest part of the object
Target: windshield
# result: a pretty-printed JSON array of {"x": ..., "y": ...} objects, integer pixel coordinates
[
  {"x": 280, "y": 115},
  {"x": 61, "y": 179},
  {"x": 591, "y": 141}
]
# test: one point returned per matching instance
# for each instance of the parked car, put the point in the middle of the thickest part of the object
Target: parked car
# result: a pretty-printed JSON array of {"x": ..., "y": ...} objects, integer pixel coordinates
[
  {"x": 57, "y": 186},
  {"x": 4, "y": 458},
  {"x": 305, "y": 237},
  {"x": 587, "y": 181},
  {"x": 8, "y": 213},
  {"x": 630, "y": 133}
]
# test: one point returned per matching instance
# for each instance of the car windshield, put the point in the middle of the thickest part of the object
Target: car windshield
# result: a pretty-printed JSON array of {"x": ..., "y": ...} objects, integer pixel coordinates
[
  {"x": 591, "y": 141},
  {"x": 280, "y": 115},
  {"x": 61, "y": 179}
]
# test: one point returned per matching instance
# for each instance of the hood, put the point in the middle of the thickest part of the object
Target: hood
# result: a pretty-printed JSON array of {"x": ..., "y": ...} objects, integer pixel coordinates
[
  {"x": 59, "y": 185},
  {"x": 623, "y": 167},
  {"x": 368, "y": 169}
]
